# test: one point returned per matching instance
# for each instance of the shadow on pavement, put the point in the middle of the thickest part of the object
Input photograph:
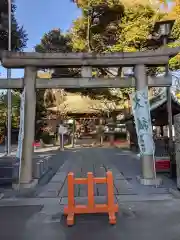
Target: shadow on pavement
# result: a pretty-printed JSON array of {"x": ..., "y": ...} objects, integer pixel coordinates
[
  {"x": 157, "y": 220},
  {"x": 13, "y": 221}
]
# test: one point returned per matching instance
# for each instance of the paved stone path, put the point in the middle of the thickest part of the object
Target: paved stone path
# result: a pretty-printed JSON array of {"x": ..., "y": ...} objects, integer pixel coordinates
[
  {"x": 124, "y": 166},
  {"x": 145, "y": 212}
]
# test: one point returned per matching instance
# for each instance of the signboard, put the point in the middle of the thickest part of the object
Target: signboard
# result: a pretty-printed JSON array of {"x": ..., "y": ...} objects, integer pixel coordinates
[
  {"x": 21, "y": 130},
  {"x": 62, "y": 129},
  {"x": 142, "y": 118}
]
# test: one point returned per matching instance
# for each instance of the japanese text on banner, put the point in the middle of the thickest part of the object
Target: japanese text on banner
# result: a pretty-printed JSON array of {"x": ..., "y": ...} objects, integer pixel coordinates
[{"x": 142, "y": 118}]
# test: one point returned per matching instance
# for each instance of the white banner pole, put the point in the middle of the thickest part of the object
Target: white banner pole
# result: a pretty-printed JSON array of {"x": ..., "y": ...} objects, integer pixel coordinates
[{"x": 21, "y": 132}]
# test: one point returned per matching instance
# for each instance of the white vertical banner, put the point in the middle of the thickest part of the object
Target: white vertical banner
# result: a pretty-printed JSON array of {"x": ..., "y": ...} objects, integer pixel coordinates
[
  {"x": 21, "y": 127},
  {"x": 142, "y": 118}
]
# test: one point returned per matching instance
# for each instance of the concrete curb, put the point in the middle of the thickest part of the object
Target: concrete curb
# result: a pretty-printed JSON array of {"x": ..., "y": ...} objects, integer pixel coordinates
[
  {"x": 31, "y": 185},
  {"x": 83, "y": 200},
  {"x": 129, "y": 152},
  {"x": 117, "y": 146},
  {"x": 122, "y": 198},
  {"x": 1, "y": 195},
  {"x": 175, "y": 193}
]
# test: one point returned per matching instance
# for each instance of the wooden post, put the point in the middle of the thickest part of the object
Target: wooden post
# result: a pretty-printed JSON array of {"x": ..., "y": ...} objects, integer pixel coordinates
[
  {"x": 90, "y": 190},
  {"x": 70, "y": 218}
]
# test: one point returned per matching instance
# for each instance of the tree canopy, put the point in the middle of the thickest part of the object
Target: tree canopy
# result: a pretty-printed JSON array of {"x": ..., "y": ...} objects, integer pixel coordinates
[
  {"x": 110, "y": 26},
  {"x": 174, "y": 13},
  {"x": 19, "y": 39},
  {"x": 113, "y": 26},
  {"x": 128, "y": 30},
  {"x": 15, "y": 109},
  {"x": 19, "y": 36},
  {"x": 53, "y": 41}
]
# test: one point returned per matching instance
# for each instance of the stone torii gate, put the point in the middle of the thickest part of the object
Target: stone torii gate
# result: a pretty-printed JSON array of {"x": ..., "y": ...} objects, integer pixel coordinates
[{"x": 31, "y": 62}]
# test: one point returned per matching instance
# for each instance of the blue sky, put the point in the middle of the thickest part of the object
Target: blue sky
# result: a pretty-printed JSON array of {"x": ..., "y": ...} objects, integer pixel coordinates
[{"x": 41, "y": 16}]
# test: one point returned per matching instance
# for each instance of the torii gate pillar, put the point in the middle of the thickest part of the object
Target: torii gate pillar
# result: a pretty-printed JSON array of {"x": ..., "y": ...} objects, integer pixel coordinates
[
  {"x": 148, "y": 176},
  {"x": 29, "y": 126}
]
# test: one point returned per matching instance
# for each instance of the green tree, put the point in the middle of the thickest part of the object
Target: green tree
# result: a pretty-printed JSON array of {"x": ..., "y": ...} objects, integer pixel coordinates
[
  {"x": 56, "y": 41},
  {"x": 114, "y": 26},
  {"x": 15, "y": 109},
  {"x": 130, "y": 29},
  {"x": 19, "y": 36},
  {"x": 106, "y": 26},
  {"x": 53, "y": 41},
  {"x": 174, "y": 13},
  {"x": 19, "y": 40}
]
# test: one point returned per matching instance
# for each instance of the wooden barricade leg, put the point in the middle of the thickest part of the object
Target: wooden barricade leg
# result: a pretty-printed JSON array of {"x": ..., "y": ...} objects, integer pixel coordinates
[
  {"x": 71, "y": 202},
  {"x": 110, "y": 193},
  {"x": 90, "y": 186}
]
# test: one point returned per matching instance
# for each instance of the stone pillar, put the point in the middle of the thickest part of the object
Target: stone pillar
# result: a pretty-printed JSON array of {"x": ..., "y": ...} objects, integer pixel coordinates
[
  {"x": 29, "y": 126},
  {"x": 148, "y": 173},
  {"x": 177, "y": 147}
]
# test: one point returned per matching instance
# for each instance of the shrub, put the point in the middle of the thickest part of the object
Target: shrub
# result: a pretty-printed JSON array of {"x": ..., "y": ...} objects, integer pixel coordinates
[{"x": 46, "y": 137}]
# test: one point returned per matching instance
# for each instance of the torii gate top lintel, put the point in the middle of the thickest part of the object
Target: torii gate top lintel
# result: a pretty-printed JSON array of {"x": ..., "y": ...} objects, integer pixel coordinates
[
  {"x": 40, "y": 60},
  {"x": 33, "y": 61}
]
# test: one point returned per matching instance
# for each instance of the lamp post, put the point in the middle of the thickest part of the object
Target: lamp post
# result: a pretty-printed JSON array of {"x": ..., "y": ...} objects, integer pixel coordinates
[{"x": 163, "y": 28}]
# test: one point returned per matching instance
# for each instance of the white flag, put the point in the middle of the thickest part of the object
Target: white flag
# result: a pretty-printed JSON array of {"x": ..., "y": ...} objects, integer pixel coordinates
[{"x": 21, "y": 127}]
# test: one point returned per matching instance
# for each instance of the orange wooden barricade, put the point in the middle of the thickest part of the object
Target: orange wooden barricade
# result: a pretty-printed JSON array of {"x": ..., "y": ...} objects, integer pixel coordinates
[{"x": 111, "y": 208}]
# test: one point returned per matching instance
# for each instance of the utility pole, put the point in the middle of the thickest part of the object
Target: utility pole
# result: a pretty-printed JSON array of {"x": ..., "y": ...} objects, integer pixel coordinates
[
  {"x": 9, "y": 77},
  {"x": 88, "y": 28},
  {"x": 6, "y": 25}
]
